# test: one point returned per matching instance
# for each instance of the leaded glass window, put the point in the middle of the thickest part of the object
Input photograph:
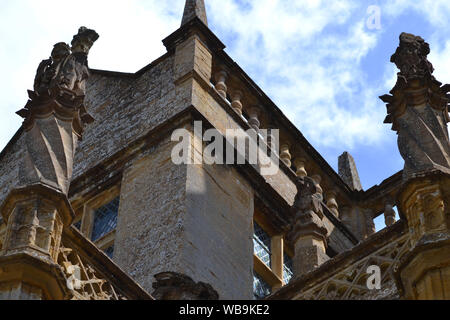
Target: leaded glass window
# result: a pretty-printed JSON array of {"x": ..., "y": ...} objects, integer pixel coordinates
[
  {"x": 105, "y": 219},
  {"x": 262, "y": 245},
  {"x": 110, "y": 252},
  {"x": 261, "y": 288},
  {"x": 288, "y": 268}
]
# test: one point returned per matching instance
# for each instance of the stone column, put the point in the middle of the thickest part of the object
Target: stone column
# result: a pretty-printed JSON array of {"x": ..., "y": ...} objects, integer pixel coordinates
[{"x": 308, "y": 232}]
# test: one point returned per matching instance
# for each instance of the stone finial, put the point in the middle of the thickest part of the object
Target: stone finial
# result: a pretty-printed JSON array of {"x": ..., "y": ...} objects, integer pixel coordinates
[
  {"x": 418, "y": 110},
  {"x": 349, "y": 172},
  {"x": 176, "y": 286},
  {"x": 193, "y": 9}
]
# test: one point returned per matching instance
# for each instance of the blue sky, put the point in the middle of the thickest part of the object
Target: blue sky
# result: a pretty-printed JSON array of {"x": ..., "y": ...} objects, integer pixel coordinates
[{"x": 317, "y": 60}]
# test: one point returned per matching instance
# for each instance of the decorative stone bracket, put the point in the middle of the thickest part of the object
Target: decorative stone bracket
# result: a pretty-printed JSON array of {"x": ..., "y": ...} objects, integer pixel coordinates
[{"x": 176, "y": 286}]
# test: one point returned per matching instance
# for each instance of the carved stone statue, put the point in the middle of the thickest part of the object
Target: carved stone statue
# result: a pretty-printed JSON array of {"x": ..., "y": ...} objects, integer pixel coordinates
[
  {"x": 307, "y": 210},
  {"x": 48, "y": 69},
  {"x": 418, "y": 110},
  {"x": 55, "y": 115}
]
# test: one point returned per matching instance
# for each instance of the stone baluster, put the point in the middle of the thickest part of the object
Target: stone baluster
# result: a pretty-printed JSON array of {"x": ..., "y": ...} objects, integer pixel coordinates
[
  {"x": 236, "y": 103},
  {"x": 285, "y": 154},
  {"x": 300, "y": 164},
  {"x": 221, "y": 87},
  {"x": 318, "y": 179},
  {"x": 389, "y": 214},
  {"x": 254, "y": 121},
  {"x": 332, "y": 203}
]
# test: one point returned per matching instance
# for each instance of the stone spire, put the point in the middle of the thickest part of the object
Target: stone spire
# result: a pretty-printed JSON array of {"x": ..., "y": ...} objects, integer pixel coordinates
[
  {"x": 194, "y": 8},
  {"x": 349, "y": 172}
]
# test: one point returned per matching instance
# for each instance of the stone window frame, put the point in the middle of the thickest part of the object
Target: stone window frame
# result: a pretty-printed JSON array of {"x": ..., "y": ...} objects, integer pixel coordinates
[
  {"x": 279, "y": 246},
  {"x": 2, "y": 234},
  {"x": 86, "y": 214}
]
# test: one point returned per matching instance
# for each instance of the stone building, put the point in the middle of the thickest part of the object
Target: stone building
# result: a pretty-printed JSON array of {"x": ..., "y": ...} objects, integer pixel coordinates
[{"x": 94, "y": 208}]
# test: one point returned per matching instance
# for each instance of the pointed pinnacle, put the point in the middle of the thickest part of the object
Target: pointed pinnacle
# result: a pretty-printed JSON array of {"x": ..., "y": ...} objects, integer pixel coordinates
[{"x": 194, "y": 8}]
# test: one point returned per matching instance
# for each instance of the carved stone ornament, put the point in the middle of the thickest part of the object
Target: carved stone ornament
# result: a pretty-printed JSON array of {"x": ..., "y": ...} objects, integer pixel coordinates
[
  {"x": 418, "y": 109},
  {"x": 176, "y": 286},
  {"x": 307, "y": 211},
  {"x": 55, "y": 114},
  {"x": 59, "y": 86}
]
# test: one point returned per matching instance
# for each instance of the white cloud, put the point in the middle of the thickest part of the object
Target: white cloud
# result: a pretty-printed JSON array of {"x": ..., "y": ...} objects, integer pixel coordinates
[
  {"x": 294, "y": 41},
  {"x": 435, "y": 11}
]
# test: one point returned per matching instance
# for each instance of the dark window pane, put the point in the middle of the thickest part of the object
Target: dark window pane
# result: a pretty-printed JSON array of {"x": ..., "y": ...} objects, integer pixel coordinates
[
  {"x": 262, "y": 244},
  {"x": 288, "y": 272},
  {"x": 261, "y": 289},
  {"x": 110, "y": 252},
  {"x": 78, "y": 225},
  {"x": 105, "y": 219}
]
